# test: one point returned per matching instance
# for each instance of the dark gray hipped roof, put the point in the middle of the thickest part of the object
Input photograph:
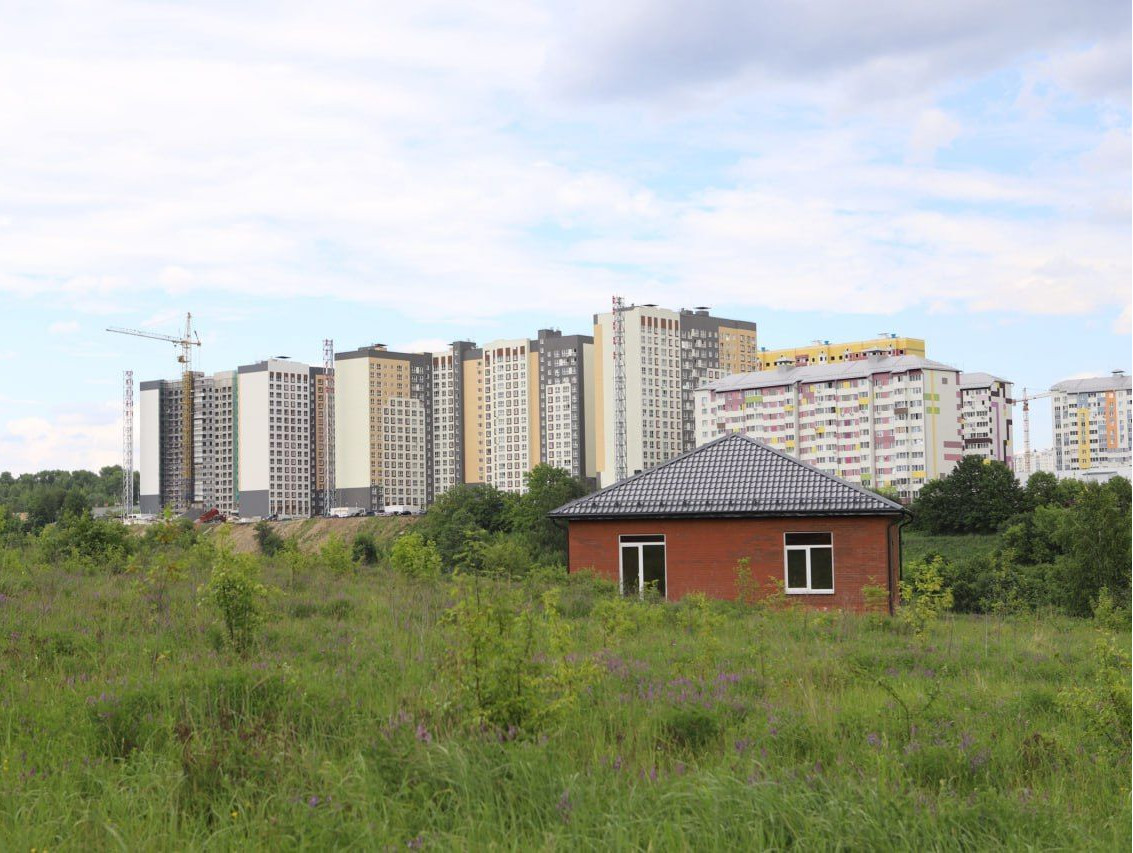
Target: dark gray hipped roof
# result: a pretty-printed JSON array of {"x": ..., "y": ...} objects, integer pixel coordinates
[{"x": 731, "y": 476}]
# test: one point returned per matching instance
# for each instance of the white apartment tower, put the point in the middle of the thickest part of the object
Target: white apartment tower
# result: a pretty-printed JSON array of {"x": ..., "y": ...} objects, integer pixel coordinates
[
  {"x": 1093, "y": 421},
  {"x": 273, "y": 422},
  {"x": 510, "y": 398},
  {"x": 986, "y": 417},
  {"x": 881, "y": 421}
]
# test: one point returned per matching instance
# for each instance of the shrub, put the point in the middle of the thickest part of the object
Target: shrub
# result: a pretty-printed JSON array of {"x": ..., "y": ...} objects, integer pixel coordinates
[
  {"x": 335, "y": 557},
  {"x": 925, "y": 597},
  {"x": 495, "y": 554},
  {"x": 270, "y": 542},
  {"x": 509, "y": 657},
  {"x": 413, "y": 556},
  {"x": 364, "y": 549},
  {"x": 235, "y": 591}
]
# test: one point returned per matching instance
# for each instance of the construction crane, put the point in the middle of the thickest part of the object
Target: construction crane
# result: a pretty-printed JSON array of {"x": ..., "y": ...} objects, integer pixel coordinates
[
  {"x": 1026, "y": 401},
  {"x": 185, "y": 344}
]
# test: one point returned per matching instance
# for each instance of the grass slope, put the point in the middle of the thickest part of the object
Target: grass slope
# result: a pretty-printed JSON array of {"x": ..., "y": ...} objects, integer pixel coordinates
[{"x": 125, "y": 724}]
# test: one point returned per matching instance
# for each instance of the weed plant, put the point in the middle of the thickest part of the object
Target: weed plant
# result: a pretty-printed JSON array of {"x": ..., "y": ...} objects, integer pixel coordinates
[{"x": 351, "y": 717}]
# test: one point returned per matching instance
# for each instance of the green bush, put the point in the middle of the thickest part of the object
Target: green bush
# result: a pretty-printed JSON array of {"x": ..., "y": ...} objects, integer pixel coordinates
[
  {"x": 414, "y": 557},
  {"x": 235, "y": 591},
  {"x": 270, "y": 542},
  {"x": 924, "y": 597},
  {"x": 364, "y": 549}
]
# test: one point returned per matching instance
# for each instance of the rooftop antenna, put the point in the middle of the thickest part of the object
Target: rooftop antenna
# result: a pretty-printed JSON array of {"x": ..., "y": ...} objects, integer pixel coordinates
[{"x": 620, "y": 455}]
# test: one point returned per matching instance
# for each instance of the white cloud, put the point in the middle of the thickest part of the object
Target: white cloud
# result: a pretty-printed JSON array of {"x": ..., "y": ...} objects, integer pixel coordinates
[
  {"x": 63, "y": 327},
  {"x": 935, "y": 129},
  {"x": 68, "y": 441}
]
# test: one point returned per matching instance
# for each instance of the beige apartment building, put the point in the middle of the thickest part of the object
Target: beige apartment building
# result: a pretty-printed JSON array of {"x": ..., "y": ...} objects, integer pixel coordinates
[{"x": 668, "y": 355}]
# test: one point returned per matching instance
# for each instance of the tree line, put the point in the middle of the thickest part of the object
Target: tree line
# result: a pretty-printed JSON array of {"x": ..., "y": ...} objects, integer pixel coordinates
[
  {"x": 47, "y": 496},
  {"x": 1059, "y": 543}
]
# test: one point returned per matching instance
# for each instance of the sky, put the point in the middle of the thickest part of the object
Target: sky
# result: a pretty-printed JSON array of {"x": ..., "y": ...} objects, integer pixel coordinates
[{"x": 416, "y": 173}]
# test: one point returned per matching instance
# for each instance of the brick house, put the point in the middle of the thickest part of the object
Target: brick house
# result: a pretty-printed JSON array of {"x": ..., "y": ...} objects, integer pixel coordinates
[{"x": 684, "y": 525}]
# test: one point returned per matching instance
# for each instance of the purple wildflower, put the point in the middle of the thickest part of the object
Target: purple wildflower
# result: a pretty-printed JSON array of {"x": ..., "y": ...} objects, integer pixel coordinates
[
  {"x": 872, "y": 739},
  {"x": 423, "y": 734},
  {"x": 313, "y": 801},
  {"x": 564, "y": 806}
]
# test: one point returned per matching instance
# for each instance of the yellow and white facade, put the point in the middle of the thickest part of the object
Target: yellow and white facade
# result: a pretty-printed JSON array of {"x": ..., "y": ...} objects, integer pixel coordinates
[
  {"x": 883, "y": 421},
  {"x": 1093, "y": 421},
  {"x": 824, "y": 352}
]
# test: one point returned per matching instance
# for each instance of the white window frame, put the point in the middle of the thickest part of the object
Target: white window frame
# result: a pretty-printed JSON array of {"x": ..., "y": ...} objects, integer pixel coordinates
[
  {"x": 787, "y": 548},
  {"x": 641, "y": 561}
]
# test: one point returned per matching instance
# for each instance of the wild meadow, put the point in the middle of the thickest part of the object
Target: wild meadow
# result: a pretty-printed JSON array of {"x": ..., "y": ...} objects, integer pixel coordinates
[{"x": 184, "y": 697}]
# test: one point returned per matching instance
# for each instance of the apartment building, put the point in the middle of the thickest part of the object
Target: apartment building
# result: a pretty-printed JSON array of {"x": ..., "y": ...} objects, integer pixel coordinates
[
  {"x": 273, "y": 404},
  {"x": 668, "y": 354},
  {"x": 1093, "y": 422},
  {"x": 214, "y": 442},
  {"x": 165, "y": 464},
  {"x": 566, "y": 402},
  {"x": 1027, "y": 464},
  {"x": 449, "y": 415},
  {"x": 986, "y": 419},
  {"x": 383, "y": 418},
  {"x": 881, "y": 421},
  {"x": 824, "y": 352}
]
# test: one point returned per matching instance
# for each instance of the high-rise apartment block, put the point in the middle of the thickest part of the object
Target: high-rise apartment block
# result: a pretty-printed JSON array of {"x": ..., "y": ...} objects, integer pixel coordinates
[
  {"x": 383, "y": 415},
  {"x": 273, "y": 438},
  {"x": 985, "y": 414},
  {"x": 668, "y": 355},
  {"x": 1093, "y": 422},
  {"x": 1027, "y": 464},
  {"x": 251, "y": 435},
  {"x": 881, "y": 421},
  {"x": 824, "y": 352},
  {"x": 407, "y": 427},
  {"x": 163, "y": 430}
]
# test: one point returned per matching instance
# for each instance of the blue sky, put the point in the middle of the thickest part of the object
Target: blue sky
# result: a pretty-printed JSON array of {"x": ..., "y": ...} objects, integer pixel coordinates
[{"x": 416, "y": 173}]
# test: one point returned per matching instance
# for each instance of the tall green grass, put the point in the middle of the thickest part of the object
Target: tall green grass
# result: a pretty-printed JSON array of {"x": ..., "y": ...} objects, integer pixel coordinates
[{"x": 127, "y": 723}]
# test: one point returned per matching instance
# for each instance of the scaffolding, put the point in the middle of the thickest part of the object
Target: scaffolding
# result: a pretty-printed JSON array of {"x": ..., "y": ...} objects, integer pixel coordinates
[
  {"x": 127, "y": 442},
  {"x": 329, "y": 498},
  {"x": 621, "y": 463},
  {"x": 186, "y": 342}
]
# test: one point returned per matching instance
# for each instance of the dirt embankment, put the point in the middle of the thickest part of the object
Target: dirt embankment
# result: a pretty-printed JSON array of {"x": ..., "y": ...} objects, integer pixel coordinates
[{"x": 310, "y": 533}]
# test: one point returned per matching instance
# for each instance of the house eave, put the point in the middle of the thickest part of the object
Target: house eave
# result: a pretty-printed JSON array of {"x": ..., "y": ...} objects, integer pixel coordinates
[{"x": 678, "y": 516}]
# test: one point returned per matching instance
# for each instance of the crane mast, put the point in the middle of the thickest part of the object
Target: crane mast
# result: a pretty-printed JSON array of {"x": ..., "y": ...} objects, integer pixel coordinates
[
  {"x": 185, "y": 343},
  {"x": 621, "y": 461}
]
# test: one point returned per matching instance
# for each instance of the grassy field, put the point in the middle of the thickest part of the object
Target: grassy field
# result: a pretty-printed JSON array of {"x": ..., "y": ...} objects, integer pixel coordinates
[
  {"x": 916, "y": 545},
  {"x": 361, "y": 718}
]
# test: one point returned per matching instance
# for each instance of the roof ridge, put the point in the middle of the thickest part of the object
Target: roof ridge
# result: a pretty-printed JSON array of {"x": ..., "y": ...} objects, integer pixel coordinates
[
  {"x": 857, "y": 487},
  {"x": 754, "y": 482},
  {"x": 641, "y": 474}
]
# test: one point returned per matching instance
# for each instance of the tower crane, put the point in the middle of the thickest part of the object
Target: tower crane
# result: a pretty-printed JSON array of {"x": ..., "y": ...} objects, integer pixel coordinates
[
  {"x": 185, "y": 344},
  {"x": 1026, "y": 401}
]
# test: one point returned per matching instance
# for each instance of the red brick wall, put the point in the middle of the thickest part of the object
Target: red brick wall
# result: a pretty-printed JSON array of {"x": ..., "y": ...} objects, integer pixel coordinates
[{"x": 701, "y": 554}]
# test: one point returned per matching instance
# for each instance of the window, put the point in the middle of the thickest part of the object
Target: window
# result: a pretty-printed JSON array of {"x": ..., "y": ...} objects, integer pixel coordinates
[
  {"x": 642, "y": 564},
  {"x": 809, "y": 562}
]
